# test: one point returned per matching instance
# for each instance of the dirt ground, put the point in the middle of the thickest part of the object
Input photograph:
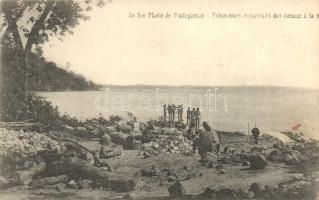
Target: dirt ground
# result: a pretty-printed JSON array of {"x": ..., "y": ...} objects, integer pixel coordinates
[{"x": 169, "y": 167}]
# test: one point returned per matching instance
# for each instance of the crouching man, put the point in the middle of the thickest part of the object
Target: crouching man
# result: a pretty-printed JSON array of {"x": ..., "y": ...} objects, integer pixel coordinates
[{"x": 208, "y": 141}]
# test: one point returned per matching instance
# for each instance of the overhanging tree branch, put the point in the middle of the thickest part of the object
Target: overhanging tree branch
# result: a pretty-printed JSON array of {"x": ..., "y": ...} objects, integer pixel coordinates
[{"x": 37, "y": 26}]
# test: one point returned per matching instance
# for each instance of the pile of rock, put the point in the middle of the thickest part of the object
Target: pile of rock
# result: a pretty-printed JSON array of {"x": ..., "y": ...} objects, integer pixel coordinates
[
  {"x": 297, "y": 137},
  {"x": 287, "y": 156},
  {"x": 41, "y": 160},
  {"x": 296, "y": 153},
  {"x": 19, "y": 148},
  {"x": 269, "y": 140},
  {"x": 173, "y": 144}
]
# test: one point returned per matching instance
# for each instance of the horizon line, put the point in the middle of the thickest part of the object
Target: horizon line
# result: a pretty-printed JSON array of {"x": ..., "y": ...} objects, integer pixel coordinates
[{"x": 203, "y": 86}]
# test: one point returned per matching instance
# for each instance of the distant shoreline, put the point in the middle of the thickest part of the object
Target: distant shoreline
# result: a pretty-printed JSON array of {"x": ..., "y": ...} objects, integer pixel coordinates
[{"x": 142, "y": 86}]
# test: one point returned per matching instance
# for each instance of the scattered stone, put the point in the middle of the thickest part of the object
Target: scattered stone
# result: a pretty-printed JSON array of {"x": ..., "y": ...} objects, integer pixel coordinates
[
  {"x": 105, "y": 139},
  {"x": 258, "y": 162},
  {"x": 221, "y": 171},
  {"x": 242, "y": 193},
  {"x": 226, "y": 160},
  {"x": 210, "y": 165},
  {"x": 226, "y": 193},
  {"x": 171, "y": 178},
  {"x": 110, "y": 151},
  {"x": 89, "y": 157},
  {"x": 219, "y": 167},
  {"x": 110, "y": 129},
  {"x": 68, "y": 129},
  {"x": 84, "y": 184},
  {"x": 72, "y": 184},
  {"x": 256, "y": 188},
  {"x": 250, "y": 195},
  {"x": 146, "y": 155},
  {"x": 136, "y": 127},
  {"x": 277, "y": 146},
  {"x": 275, "y": 156},
  {"x": 177, "y": 191},
  {"x": 130, "y": 196},
  {"x": 81, "y": 130},
  {"x": 122, "y": 122},
  {"x": 231, "y": 159},
  {"x": 270, "y": 191},
  {"x": 59, "y": 187},
  {"x": 168, "y": 131},
  {"x": 246, "y": 163},
  {"x": 125, "y": 128},
  {"x": 208, "y": 193},
  {"x": 151, "y": 172}
]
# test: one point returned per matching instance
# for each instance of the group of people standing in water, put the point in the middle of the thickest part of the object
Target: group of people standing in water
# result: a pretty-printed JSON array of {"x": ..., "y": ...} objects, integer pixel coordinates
[
  {"x": 171, "y": 110},
  {"x": 205, "y": 140},
  {"x": 193, "y": 116}
]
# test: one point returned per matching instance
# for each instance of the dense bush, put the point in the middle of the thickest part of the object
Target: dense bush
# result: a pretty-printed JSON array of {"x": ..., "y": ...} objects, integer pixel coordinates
[{"x": 47, "y": 76}]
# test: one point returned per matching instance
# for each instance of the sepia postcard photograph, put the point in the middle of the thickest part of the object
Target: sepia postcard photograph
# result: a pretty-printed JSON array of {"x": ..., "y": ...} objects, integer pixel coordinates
[{"x": 159, "y": 99}]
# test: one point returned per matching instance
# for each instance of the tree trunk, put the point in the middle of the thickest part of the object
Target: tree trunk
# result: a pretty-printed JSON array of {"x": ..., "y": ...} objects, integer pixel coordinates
[
  {"x": 13, "y": 75},
  {"x": 75, "y": 167},
  {"x": 81, "y": 148},
  {"x": 37, "y": 27}
]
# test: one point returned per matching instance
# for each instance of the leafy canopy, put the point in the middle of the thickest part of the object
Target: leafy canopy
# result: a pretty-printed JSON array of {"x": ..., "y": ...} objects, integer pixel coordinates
[{"x": 44, "y": 18}]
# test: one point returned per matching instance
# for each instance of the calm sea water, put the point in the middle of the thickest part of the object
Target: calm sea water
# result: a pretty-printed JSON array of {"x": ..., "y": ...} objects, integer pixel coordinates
[{"x": 229, "y": 108}]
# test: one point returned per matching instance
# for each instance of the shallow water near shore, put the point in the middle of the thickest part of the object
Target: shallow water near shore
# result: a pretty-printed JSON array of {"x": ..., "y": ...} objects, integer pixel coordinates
[{"x": 226, "y": 108}]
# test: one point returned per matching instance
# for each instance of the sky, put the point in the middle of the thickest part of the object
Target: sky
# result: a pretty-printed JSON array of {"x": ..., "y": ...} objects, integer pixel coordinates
[{"x": 112, "y": 48}]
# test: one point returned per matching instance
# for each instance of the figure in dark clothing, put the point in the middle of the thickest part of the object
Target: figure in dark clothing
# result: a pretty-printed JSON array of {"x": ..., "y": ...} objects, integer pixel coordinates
[
  {"x": 173, "y": 112},
  {"x": 255, "y": 131},
  {"x": 193, "y": 116},
  {"x": 208, "y": 141},
  {"x": 181, "y": 113},
  {"x": 190, "y": 133},
  {"x": 178, "y": 111},
  {"x": 197, "y": 118},
  {"x": 188, "y": 115},
  {"x": 169, "y": 109},
  {"x": 165, "y": 111}
]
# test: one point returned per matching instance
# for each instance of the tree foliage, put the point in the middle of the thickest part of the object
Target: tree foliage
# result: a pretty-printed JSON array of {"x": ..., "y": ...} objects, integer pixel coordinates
[
  {"x": 44, "y": 18},
  {"x": 47, "y": 76},
  {"x": 34, "y": 22}
]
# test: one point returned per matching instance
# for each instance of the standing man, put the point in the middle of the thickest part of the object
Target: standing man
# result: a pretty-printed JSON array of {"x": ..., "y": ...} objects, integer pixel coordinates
[
  {"x": 197, "y": 115},
  {"x": 164, "y": 109},
  {"x": 255, "y": 131},
  {"x": 188, "y": 115},
  {"x": 169, "y": 109},
  {"x": 178, "y": 111},
  {"x": 181, "y": 113},
  {"x": 193, "y": 119},
  {"x": 173, "y": 112}
]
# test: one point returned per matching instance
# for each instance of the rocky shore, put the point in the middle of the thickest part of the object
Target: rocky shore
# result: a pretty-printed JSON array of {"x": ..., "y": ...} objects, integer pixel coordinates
[{"x": 122, "y": 158}]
